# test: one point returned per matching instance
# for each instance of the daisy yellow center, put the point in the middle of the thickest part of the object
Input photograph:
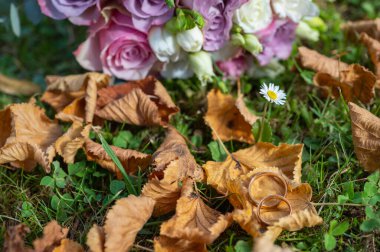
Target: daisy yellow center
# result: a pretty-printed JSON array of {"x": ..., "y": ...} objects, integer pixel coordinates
[{"x": 272, "y": 95}]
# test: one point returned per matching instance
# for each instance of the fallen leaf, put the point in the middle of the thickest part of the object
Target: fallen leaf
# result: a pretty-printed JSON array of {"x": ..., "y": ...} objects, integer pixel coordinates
[
  {"x": 124, "y": 220},
  {"x": 366, "y": 137},
  {"x": 74, "y": 96},
  {"x": 286, "y": 157},
  {"x": 131, "y": 160},
  {"x": 13, "y": 86},
  {"x": 370, "y": 27},
  {"x": 265, "y": 245},
  {"x": 69, "y": 143},
  {"x": 96, "y": 239},
  {"x": 14, "y": 239},
  {"x": 354, "y": 81},
  {"x": 166, "y": 244},
  {"x": 317, "y": 62},
  {"x": 194, "y": 221},
  {"x": 165, "y": 191},
  {"x": 144, "y": 102},
  {"x": 53, "y": 234},
  {"x": 173, "y": 148},
  {"x": 68, "y": 246},
  {"x": 27, "y": 137},
  {"x": 373, "y": 47},
  {"x": 230, "y": 118}
]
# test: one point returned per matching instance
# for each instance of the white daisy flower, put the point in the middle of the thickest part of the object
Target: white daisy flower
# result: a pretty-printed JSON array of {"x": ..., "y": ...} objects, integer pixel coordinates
[{"x": 273, "y": 93}]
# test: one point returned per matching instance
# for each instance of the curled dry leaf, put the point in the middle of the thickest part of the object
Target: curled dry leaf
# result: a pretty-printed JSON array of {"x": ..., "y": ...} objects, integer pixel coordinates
[
  {"x": 27, "y": 137},
  {"x": 194, "y": 221},
  {"x": 14, "y": 239},
  {"x": 233, "y": 178},
  {"x": 165, "y": 191},
  {"x": 173, "y": 148},
  {"x": 373, "y": 47},
  {"x": 144, "y": 102},
  {"x": 370, "y": 27},
  {"x": 313, "y": 60},
  {"x": 265, "y": 245},
  {"x": 53, "y": 234},
  {"x": 230, "y": 118},
  {"x": 166, "y": 244},
  {"x": 69, "y": 143},
  {"x": 68, "y": 246},
  {"x": 333, "y": 76},
  {"x": 286, "y": 157},
  {"x": 131, "y": 160},
  {"x": 366, "y": 137},
  {"x": 96, "y": 239},
  {"x": 124, "y": 220},
  {"x": 74, "y": 96},
  {"x": 13, "y": 86}
]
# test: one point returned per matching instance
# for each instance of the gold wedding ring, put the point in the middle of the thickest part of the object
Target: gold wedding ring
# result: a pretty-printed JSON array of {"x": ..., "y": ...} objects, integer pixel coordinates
[
  {"x": 257, "y": 200},
  {"x": 261, "y": 205}
]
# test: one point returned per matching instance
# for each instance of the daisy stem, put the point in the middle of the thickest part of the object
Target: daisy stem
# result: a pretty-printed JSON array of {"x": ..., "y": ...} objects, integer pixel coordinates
[{"x": 262, "y": 122}]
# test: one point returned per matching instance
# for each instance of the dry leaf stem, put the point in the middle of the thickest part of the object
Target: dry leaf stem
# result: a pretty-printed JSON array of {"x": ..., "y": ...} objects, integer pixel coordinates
[{"x": 337, "y": 204}]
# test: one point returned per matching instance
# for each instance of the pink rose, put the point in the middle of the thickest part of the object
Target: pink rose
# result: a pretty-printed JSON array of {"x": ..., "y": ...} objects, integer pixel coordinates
[
  {"x": 146, "y": 13},
  {"x": 234, "y": 67},
  {"x": 84, "y": 12},
  {"x": 277, "y": 40},
  {"x": 117, "y": 48}
]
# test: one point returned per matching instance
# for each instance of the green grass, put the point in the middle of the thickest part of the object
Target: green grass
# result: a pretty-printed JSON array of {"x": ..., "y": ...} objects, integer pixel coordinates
[{"x": 81, "y": 194}]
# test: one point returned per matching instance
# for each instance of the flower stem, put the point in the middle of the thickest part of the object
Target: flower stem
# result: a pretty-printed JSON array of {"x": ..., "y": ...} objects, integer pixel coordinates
[{"x": 262, "y": 122}]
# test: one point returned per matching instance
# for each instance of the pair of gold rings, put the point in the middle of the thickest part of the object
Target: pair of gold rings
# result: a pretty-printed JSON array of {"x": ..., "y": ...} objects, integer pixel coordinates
[{"x": 268, "y": 201}]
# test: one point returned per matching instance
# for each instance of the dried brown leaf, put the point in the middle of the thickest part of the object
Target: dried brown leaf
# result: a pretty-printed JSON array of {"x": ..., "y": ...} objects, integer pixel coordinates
[
  {"x": 69, "y": 143},
  {"x": 333, "y": 76},
  {"x": 124, "y": 220},
  {"x": 167, "y": 244},
  {"x": 144, "y": 102},
  {"x": 373, "y": 47},
  {"x": 265, "y": 245},
  {"x": 74, "y": 96},
  {"x": 96, "y": 239},
  {"x": 27, "y": 137},
  {"x": 230, "y": 118},
  {"x": 14, "y": 239},
  {"x": 165, "y": 192},
  {"x": 370, "y": 27},
  {"x": 53, "y": 234},
  {"x": 286, "y": 157},
  {"x": 131, "y": 160},
  {"x": 68, "y": 246},
  {"x": 13, "y": 86},
  {"x": 194, "y": 221},
  {"x": 366, "y": 137},
  {"x": 173, "y": 148},
  {"x": 313, "y": 60}
]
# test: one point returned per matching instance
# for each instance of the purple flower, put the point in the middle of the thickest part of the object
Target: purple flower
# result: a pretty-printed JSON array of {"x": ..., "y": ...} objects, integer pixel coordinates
[
  {"x": 117, "y": 48},
  {"x": 146, "y": 13},
  {"x": 218, "y": 16},
  {"x": 83, "y": 12},
  {"x": 277, "y": 40},
  {"x": 234, "y": 67}
]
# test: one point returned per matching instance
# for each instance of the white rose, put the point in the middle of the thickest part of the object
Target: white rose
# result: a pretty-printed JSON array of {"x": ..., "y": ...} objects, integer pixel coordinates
[
  {"x": 177, "y": 70},
  {"x": 295, "y": 9},
  {"x": 201, "y": 64},
  {"x": 190, "y": 40},
  {"x": 306, "y": 32},
  {"x": 163, "y": 44},
  {"x": 254, "y": 15}
]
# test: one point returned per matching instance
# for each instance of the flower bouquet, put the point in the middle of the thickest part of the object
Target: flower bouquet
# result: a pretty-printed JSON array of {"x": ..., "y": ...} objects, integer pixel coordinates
[{"x": 131, "y": 39}]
